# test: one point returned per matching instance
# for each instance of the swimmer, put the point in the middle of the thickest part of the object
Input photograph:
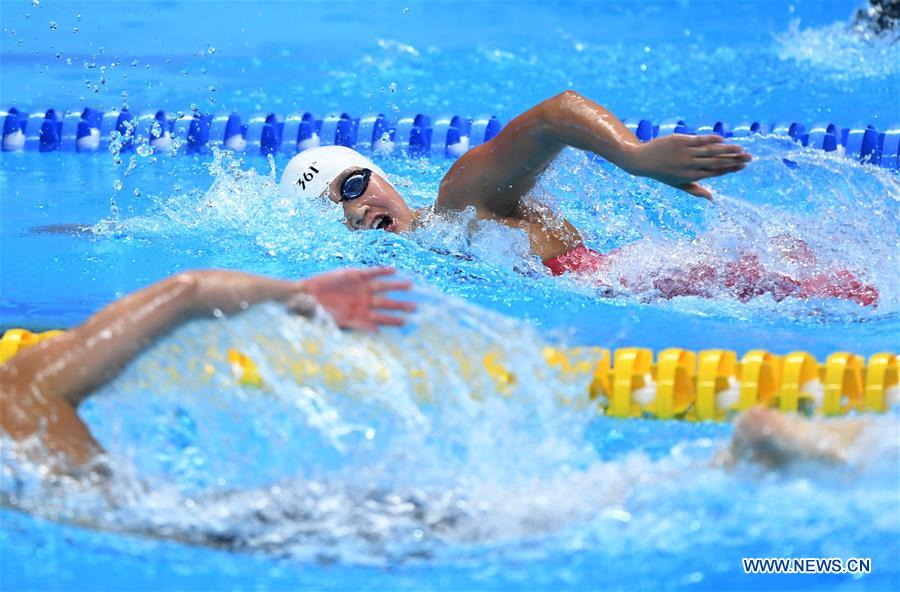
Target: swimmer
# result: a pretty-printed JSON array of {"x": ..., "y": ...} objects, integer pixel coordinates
[
  {"x": 42, "y": 387},
  {"x": 495, "y": 178}
]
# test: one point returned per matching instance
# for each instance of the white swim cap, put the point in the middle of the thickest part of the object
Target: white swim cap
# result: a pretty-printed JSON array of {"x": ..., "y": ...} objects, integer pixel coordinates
[{"x": 311, "y": 172}]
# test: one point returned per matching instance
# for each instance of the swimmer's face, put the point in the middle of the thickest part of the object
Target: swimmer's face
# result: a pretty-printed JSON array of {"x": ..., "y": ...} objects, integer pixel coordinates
[{"x": 380, "y": 207}]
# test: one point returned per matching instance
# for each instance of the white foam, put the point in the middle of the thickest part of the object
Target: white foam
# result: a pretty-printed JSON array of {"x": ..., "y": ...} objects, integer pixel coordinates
[
  {"x": 14, "y": 142},
  {"x": 646, "y": 394},
  {"x": 728, "y": 398}
]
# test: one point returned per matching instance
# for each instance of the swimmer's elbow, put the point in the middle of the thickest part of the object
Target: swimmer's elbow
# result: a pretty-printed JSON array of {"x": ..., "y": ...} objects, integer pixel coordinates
[
  {"x": 187, "y": 279},
  {"x": 568, "y": 96},
  {"x": 187, "y": 282},
  {"x": 559, "y": 106},
  {"x": 186, "y": 286},
  {"x": 560, "y": 112}
]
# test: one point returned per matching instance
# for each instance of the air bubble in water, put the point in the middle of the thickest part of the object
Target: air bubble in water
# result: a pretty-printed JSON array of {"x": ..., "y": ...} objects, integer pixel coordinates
[
  {"x": 35, "y": 2},
  {"x": 210, "y": 49},
  {"x": 53, "y": 25},
  {"x": 117, "y": 185}
]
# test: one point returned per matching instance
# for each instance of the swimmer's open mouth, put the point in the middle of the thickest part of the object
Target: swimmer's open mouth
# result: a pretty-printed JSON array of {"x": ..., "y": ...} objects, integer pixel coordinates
[{"x": 382, "y": 222}]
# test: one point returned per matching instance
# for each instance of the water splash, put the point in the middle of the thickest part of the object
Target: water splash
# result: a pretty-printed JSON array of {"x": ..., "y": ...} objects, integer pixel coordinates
[
  {"x": 400, "y": 447},
  {"x": 819, "y": 216},
  {"x": 841, "y": 52}
]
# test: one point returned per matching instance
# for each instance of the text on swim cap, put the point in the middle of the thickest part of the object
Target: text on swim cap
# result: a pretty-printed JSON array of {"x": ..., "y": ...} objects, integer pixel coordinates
[{"x": 307, "y": 177}]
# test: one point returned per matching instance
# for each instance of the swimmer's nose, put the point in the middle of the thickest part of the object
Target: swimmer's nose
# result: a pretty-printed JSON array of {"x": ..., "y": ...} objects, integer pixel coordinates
[{"x": 356, "y": 217}]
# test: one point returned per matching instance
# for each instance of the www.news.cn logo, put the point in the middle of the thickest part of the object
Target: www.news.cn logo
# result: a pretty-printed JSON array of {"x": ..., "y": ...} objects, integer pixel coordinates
[{"x": 806, "y": 565}]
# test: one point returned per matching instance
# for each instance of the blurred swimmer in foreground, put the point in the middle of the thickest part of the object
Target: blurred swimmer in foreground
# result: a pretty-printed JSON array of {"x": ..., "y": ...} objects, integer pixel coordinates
[
  {"x": 496, "y": 177},
  {"x": 42, "y": 387},
  {"x": 45, "y": 442}
]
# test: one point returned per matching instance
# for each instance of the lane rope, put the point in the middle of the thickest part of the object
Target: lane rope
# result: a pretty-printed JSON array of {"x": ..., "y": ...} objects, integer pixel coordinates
[
  {"x": 631, "y": 382},
  {"x": 415, "y": 134}
]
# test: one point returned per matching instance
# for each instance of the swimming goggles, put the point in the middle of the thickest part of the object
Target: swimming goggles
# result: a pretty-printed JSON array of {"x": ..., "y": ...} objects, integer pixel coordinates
[{"x": 355, "y": 184}]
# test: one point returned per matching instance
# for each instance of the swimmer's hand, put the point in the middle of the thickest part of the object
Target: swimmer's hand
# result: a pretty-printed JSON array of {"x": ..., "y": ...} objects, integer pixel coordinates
[
  {"x": 356, "y": 298},
  {"x": 681, "y": 160}
]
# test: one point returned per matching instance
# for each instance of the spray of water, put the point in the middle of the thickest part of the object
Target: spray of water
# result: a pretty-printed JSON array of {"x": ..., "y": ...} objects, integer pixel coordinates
[
  {"x": 797, "y": 212},
  {"x": 400, "y": 446}
]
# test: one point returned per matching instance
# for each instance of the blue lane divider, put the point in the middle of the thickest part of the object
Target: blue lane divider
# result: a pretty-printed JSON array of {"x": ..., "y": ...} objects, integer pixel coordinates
[{"x": 413, "y": 134}]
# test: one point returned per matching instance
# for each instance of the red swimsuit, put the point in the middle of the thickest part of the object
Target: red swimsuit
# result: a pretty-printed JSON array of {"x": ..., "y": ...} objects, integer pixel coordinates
[{"x": 745, "y": 278}]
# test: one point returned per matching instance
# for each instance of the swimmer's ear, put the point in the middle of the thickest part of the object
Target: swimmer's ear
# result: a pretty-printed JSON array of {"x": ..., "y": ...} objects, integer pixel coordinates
[{"x": 697, "y": 190}]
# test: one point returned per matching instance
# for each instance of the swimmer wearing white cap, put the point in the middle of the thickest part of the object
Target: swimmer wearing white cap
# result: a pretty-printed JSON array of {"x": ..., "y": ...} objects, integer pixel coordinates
[{"x": 495, "y": 177}]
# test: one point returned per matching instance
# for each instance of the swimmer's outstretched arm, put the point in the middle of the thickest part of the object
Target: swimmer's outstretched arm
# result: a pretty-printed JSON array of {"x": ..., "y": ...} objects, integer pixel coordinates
[
  {"x": 41, "y": 388},
  {"x": 497, "y": 174}
]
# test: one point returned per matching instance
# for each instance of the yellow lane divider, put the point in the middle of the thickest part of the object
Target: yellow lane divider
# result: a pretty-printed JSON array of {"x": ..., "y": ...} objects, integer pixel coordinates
[{"x": 678, "y": 384}]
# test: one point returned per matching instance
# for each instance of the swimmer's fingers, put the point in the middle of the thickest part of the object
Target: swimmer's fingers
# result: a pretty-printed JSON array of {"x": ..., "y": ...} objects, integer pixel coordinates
[
  {"x": 724, "y": 163},
  {"x": 386, "y": 320},
  {"x": 716, "y": 150},
  {"x": 696, "y": 190},
  {"x": 723, "y": 170},
  {"x": 697, "y": 141},
  {"x": 374, "y": 272},
  {"x": 391, "y": 304},
  {"x": 391, "y": 286}
]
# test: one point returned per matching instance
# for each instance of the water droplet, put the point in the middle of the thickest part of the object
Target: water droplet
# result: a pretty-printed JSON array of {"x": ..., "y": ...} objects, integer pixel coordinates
[
  {"x": 643, "y": 67},
  {"x": 392, "y": 87},
  {"x": 210, "y": 49},
  {"x": 117, "y": 185},
  {"x": 53, "y": 25},
  {"x": 74, "y": 29},
  {"x": 212, "y": 88},
  {"x": 647, "y": 49},
  {"x": 406, "y": 11},
  {"x": 137, "y": 192},
  {"x": 35, "y": 2},
  {"x": 78, "y": 17}
]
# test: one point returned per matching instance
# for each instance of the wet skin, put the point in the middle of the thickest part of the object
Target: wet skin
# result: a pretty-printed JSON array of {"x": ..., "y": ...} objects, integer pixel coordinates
[{"x": 495, "y": 177}]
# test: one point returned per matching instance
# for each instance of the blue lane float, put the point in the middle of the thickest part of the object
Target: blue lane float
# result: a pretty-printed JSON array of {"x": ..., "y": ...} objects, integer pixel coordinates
[{"x": 413, "y": 134}]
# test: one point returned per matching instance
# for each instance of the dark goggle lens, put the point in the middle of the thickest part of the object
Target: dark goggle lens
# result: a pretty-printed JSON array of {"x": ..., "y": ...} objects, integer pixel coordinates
[{"x": 355, "y": 184}]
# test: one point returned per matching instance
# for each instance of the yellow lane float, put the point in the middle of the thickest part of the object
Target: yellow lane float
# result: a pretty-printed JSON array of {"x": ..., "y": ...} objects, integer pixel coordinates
[{"x": 710, "y": 385}]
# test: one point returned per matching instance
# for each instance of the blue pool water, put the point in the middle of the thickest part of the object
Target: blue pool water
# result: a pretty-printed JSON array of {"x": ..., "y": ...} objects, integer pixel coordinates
[{"x": 378, "y": 481}]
